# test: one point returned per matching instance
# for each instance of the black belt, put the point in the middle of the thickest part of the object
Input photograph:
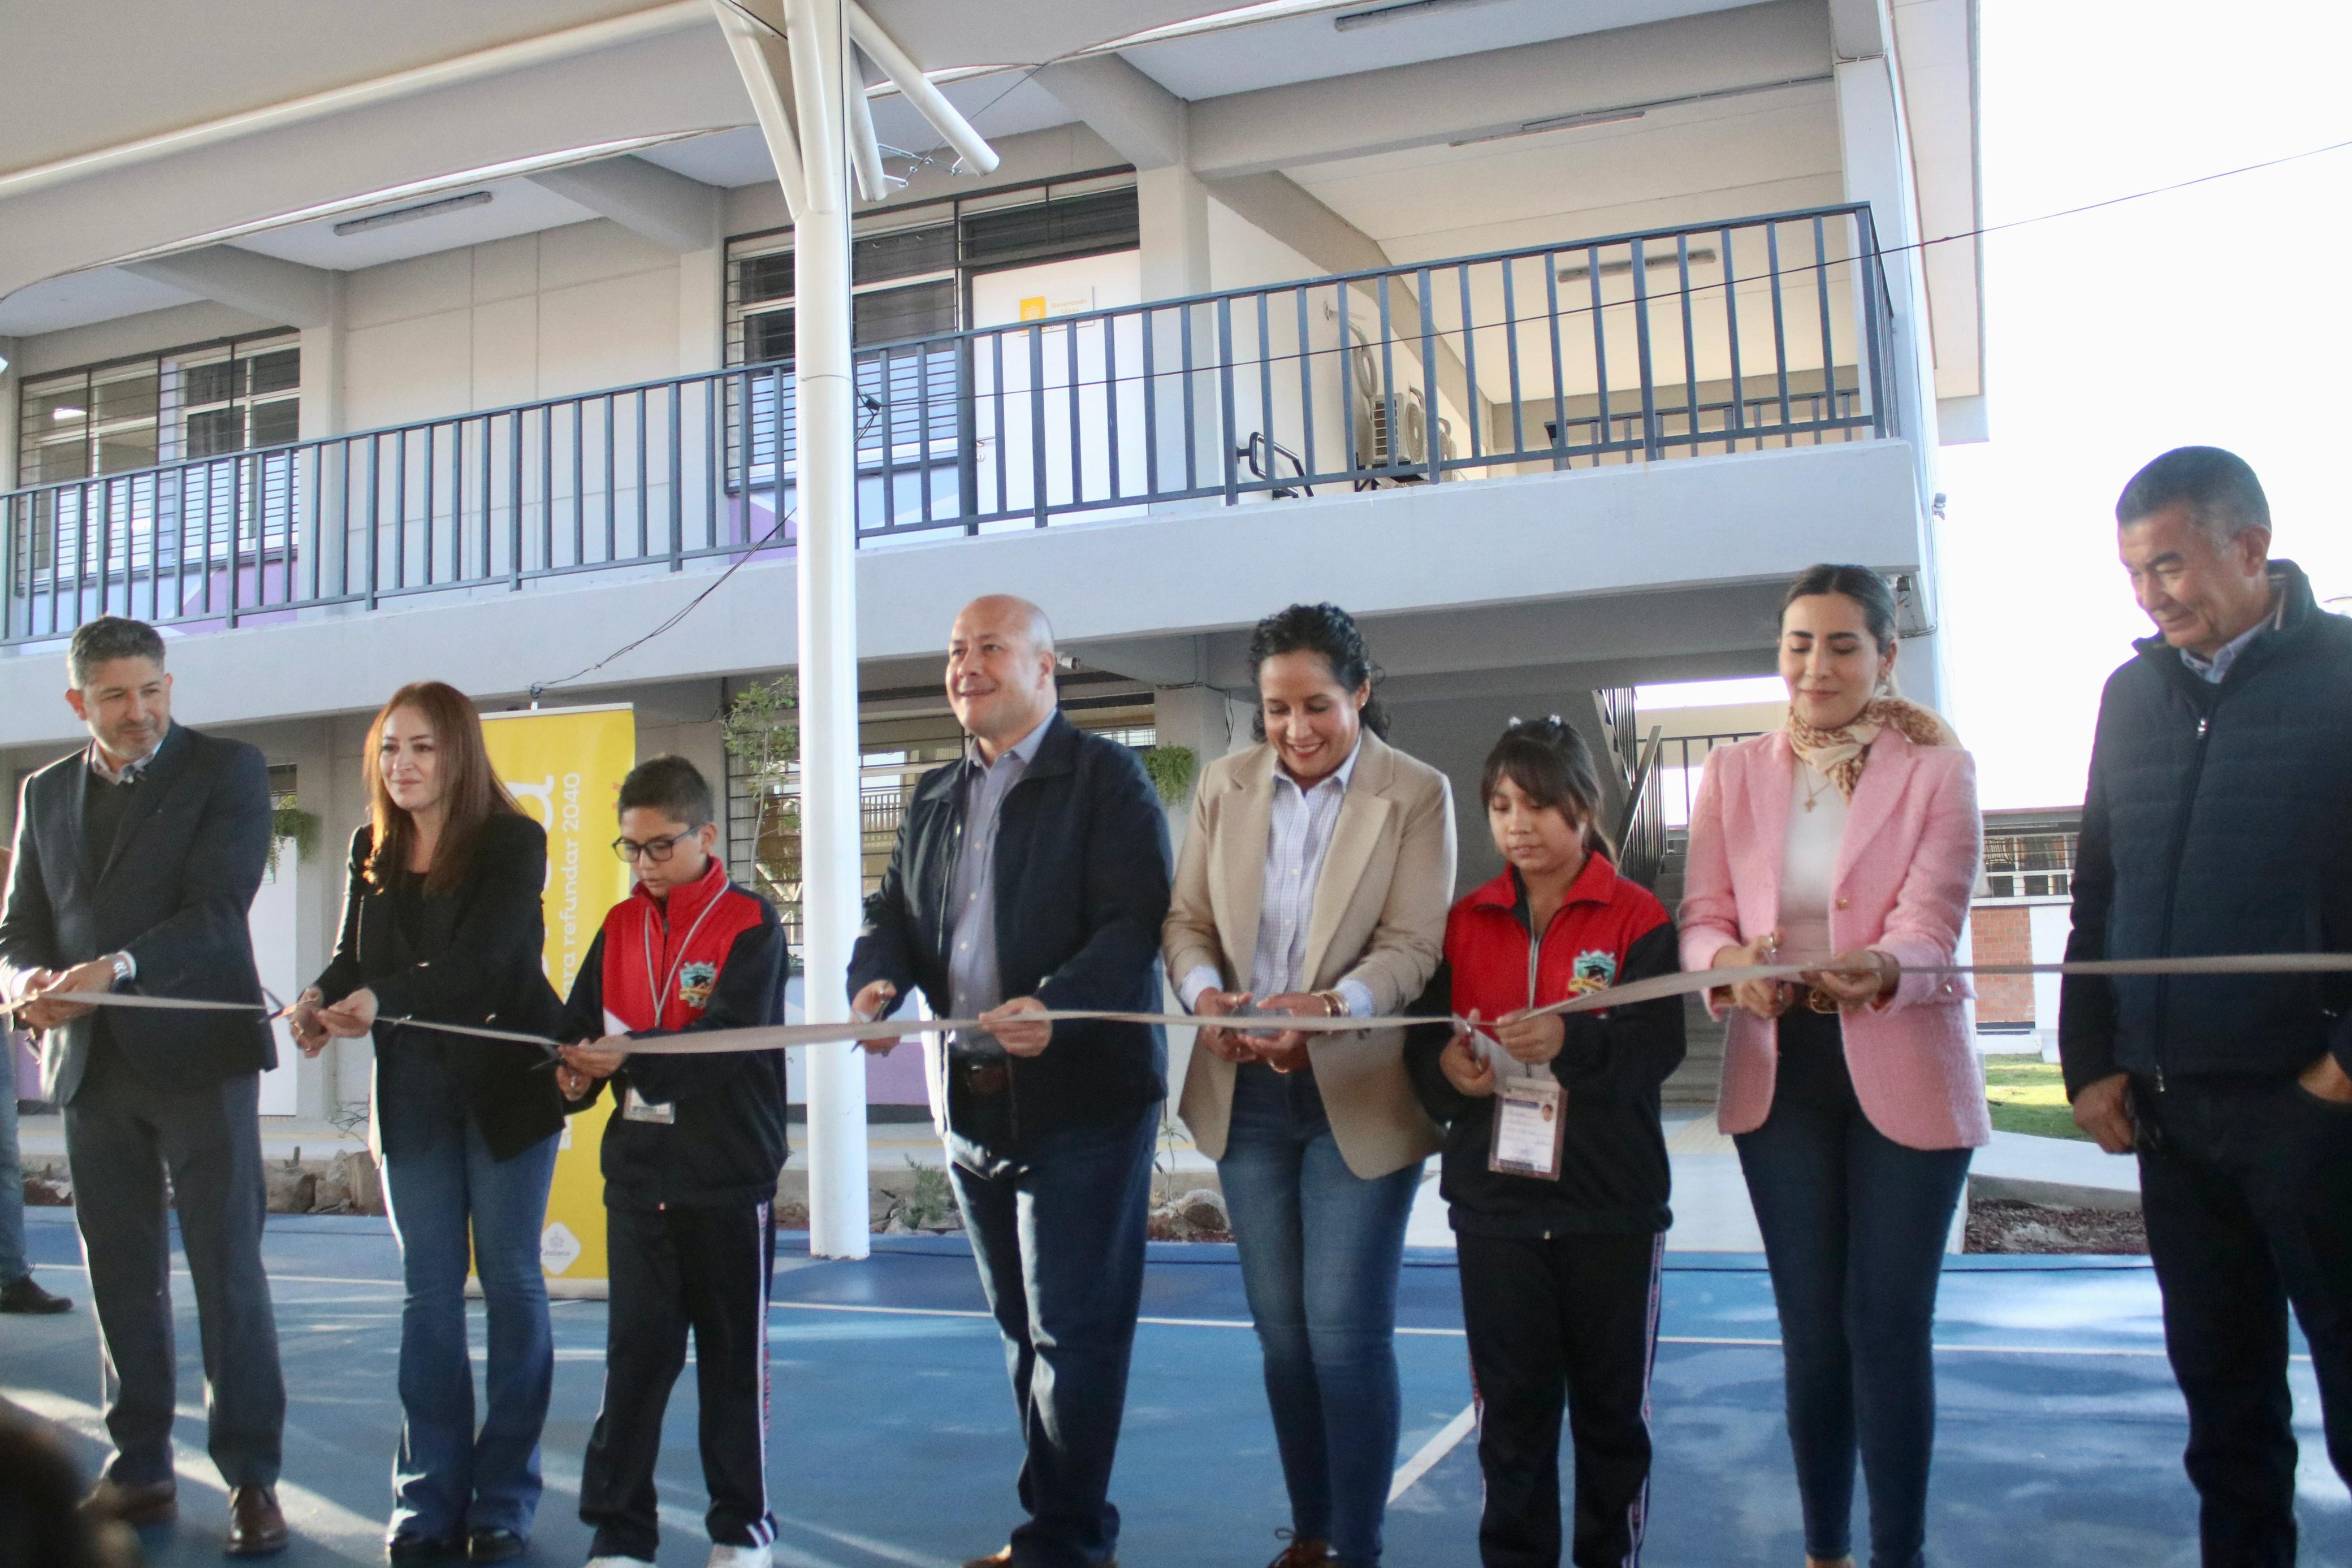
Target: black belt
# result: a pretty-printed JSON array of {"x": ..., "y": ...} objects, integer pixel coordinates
[{"x": 982, "y": 1075}]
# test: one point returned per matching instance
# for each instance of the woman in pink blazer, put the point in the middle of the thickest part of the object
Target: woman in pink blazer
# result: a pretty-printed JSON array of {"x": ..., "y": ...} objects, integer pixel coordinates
[{"x": 1848, "y": 837}]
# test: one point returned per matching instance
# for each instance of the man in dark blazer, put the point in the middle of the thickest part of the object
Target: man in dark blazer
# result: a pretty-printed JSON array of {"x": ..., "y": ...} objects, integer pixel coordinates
[
  {"x": 1033, "y": 876},
  {"x": 136, "y": 862}
]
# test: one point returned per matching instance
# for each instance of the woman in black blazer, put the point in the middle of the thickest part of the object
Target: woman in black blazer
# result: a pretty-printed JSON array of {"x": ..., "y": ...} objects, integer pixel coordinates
[{"x": 443, "y": 923}]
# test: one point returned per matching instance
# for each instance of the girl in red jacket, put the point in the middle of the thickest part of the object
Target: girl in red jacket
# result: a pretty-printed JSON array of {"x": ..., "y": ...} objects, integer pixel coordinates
[{"x": 1555, "y": 1168}]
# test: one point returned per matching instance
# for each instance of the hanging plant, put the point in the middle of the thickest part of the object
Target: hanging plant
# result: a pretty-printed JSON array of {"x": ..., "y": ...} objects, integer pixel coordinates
[
  {"x": 1172, "y": 769},
  {"x": 289, "y": 821}
]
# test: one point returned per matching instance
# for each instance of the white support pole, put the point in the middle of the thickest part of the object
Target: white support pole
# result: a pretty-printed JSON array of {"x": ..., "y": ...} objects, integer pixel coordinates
[
  {"x": 761, "y": 62},
  {"x": 933, "y": 104},
  {"x": 832, "y": 848},
  {"x": 864, "y": 147}
]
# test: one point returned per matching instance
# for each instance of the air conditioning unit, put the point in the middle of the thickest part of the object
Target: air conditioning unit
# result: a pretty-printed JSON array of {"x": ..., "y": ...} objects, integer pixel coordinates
[{"x": 1392, "y": 432}]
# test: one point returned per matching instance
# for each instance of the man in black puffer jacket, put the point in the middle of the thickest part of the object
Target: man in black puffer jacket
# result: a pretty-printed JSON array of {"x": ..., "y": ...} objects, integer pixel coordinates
[{"x": 2218, "y": 820}]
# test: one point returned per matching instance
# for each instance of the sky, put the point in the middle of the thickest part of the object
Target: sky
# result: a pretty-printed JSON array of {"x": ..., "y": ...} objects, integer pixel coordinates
[{"x": 2220, "y": 314}]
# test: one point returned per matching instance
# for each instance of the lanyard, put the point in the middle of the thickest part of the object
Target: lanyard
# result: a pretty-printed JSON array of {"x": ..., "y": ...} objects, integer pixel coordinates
[{"x": 660, "y": 989}]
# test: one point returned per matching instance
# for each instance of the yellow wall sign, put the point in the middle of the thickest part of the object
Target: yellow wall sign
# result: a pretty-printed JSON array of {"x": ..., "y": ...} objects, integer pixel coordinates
[{"x": 564, "y": 767}]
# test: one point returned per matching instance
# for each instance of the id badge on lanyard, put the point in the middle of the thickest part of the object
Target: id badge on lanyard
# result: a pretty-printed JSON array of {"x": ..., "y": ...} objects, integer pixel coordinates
[{"x": 1531, "y": 1116}]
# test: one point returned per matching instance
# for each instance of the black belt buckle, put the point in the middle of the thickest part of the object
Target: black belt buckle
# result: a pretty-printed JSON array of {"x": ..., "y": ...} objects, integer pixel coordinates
[{"x": 983, "y": 1077}]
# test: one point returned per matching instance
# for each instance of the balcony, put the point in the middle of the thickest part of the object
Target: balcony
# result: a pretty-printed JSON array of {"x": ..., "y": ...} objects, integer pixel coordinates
[{"x": 1733, "y": 337}]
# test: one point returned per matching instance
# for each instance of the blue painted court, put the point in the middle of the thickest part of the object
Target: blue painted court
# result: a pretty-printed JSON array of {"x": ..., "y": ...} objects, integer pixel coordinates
[{"x": 893, "y": 1440}]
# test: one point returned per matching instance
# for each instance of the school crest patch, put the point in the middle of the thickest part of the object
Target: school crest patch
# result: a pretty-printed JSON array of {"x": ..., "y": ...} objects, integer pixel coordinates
[
  {"x": 1593, "y": 970},
  {"x": 694, "y": 984}
]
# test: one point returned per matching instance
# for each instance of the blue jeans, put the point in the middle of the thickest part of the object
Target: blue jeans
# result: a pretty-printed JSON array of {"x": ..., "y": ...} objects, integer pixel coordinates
[
  {"x": 1057, "y": 1224},
  {"x": 1320, "y": 1249},
  {"x": 11, "y": 1175},
  {"x": 448, "y": 1478},
  {"x": 1854, "y": 1227}
]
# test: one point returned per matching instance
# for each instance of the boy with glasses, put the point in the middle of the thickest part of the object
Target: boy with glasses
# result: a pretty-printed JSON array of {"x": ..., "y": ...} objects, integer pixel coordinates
[{"x": 690, "y": 1159}]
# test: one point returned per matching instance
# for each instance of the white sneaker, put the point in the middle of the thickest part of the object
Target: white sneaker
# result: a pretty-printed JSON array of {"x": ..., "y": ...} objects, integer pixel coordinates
[
  {"x": 738, "y": 1556},
  {"x": 618, "y": 1563}
]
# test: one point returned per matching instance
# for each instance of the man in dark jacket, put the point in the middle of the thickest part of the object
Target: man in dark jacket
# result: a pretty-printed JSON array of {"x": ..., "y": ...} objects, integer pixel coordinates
[
  {"x": 2215, "y": 822},
  {"x": 137, "y": 860},
  {"x": 1035, "y": 876}
]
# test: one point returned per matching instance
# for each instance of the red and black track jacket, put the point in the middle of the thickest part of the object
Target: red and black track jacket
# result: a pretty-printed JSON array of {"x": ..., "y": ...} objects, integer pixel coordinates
[
  {"x": 1613, "y": 1173},
  {"x": 711, "y": 955}
]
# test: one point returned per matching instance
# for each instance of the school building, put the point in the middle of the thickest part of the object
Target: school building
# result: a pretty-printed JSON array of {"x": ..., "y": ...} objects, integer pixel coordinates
[{"x": 457, "y": 341}]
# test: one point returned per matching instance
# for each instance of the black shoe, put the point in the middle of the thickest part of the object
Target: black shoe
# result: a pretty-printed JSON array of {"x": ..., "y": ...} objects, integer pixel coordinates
[
  {"x": 25, "y": 1296},
  {"x": 403, "y": 1551},
  {"x": 256, "y": 1526},
  {"x": 495, "y": 1546},
  {"x": 137, "y": 1505}
]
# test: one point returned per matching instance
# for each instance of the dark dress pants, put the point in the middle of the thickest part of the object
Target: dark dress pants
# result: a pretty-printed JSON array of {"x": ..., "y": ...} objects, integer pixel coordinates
[
  {"x": 1554, "y": 1322},
  {"x": 2246, "y": 1185},
  {"x": 1854, "y": 1229},
  {"x": 123, "y": 1134},
  {"x": 676, "y": 1269},
  {"x": 1058, "y": 1225}
]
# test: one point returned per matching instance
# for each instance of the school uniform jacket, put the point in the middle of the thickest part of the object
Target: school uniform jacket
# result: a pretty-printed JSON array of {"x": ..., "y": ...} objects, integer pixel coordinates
[
  {"x": 710, "y": 957},
  {"x": 1613, "y": 1176}
]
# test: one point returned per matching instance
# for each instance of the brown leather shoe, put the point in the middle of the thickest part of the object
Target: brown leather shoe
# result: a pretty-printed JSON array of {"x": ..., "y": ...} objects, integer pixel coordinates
[
  {"x": 137, "y": 1505},
  {"x": 1303, "y": 1553},
  {"x": 255, "y": 1527}
]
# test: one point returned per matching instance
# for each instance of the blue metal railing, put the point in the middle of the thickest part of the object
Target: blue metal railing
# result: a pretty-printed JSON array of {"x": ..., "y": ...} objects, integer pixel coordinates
[{"x": 1764, "y": 332}]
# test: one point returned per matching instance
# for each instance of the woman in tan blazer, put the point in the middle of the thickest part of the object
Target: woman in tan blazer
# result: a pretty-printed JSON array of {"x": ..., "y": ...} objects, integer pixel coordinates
[{"x": 1315, "y": 881}]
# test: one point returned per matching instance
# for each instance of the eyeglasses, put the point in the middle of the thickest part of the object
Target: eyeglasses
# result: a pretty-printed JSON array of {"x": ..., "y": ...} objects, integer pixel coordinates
[{"x": 654, "y": 850}]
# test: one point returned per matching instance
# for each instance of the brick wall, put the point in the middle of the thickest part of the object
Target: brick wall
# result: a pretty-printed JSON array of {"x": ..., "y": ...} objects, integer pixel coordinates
[{"x": 2003, "y": 935}]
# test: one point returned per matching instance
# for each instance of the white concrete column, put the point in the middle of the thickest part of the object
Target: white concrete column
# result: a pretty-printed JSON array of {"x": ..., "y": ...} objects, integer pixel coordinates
[
  {"x": 832, "y": 847},
  {"x": 701, "y": 310},
  {"x": 1876, "y": 155},
  {"x": 10, "y": 379},
  {"x": 1173, "y": 244},
  {"x": 322, "y": 415}
]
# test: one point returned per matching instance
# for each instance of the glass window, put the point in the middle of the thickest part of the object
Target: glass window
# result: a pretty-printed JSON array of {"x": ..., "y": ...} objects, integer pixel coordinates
[
  {"x": 278, "y": 372},
  {"x": 276, "y": 424},
  {"x": 763, "y": 277},
  {"x": 1067, "y": 225},
  {"x": 903, "y": 253},
  {"x": 889, "y": 315},
  {"x": 128, "y": 414},
  {"x": 767, "y": 336},
  {"x": 908, "y": 276},
  {"x": 216, "y": 430}
]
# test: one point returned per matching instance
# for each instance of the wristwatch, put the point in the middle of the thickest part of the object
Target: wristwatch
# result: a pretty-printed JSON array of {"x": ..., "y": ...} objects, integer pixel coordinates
[{"x": 126, "y": 969}]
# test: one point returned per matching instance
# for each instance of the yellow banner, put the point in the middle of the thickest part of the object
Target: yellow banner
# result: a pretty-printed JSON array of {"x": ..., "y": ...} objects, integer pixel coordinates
[{"x": 564, "y": 766}]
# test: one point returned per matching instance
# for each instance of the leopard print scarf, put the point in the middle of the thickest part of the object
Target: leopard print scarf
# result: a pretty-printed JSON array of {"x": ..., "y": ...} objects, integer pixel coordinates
[{"x": 1839, "y": 753}]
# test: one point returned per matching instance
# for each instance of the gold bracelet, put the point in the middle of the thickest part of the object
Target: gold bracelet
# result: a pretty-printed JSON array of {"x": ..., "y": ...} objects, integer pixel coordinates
[{"x": 1334, "y": 1004}]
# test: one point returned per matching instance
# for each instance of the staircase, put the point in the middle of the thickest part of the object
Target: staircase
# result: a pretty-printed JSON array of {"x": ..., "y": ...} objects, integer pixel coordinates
[{"x": 1694, "y": 1083}]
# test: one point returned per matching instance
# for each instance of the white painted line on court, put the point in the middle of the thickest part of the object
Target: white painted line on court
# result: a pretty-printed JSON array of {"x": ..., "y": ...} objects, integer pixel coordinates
[
  {"x": 307, "y": 1513},
  {"x": 1409, "y": 1474},
  {"x": 1722, "y": 1340},
  {"x": 289, "y": 1279}
]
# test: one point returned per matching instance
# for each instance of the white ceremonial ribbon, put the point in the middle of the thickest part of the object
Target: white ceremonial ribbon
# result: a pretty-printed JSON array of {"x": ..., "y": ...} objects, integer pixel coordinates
[{"x": 788, "y": 1036}]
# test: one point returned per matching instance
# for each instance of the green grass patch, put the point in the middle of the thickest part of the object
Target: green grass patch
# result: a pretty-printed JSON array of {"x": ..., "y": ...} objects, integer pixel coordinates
[{"x": 2029, "y": 1095}]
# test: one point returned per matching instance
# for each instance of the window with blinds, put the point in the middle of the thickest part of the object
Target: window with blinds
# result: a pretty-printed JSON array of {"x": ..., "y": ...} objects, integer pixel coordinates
[
  {"x": 908, "y": 266},
  {"x": 201, "y": 401}
]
